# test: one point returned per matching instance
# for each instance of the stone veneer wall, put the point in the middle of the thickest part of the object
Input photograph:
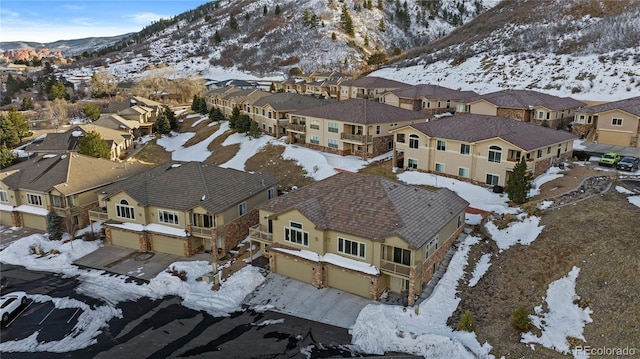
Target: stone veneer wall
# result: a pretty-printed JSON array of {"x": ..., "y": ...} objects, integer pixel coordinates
[
  {"x": 581, "y": 129},
  {"x": 541, "y": 167},
  {"x": 16, "y": 219},
  {"x": 238, "y": 229},
  {"x": 514, "y": 113},
  {"x": 326, "y": 149},
  {"x": 437, "y": 257}
]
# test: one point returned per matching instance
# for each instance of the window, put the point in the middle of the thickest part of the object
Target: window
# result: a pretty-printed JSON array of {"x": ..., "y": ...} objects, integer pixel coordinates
[
  {"x": 539, "y": 154},
  {"x": 314, "y": 124},
  {"x": 441, "y": 145},
  {"x": 350, "y": 247},
  {"x": 616, "y": 122},
  {"x": 463, "y": 172},
  {"x": 315, "y": 140},
  {"x": 400, "y": 138},
  {"x": 431, "y": 247},
  {"x": 332, "y": 143},
  {"x": 495, "y": 154},
  {"x": 413, "y": 141},
  {"x": 169, "y": 217},
  {"x": 271, "y": 193},
  {"x": 439, "y": 167},
  {"x": 412, "y": 163},
  {"x": 378, "y": 130},
  {"x": 3, "y": 196},
  {"x": 492, "y": 179},
  {"x": 333, "y": 127},
  {"x": 438, "y": 104},
  {"x": 34, "y": 199},
  {"x": 295, "y": 234},
  {"x": 459, "y": 221},
  {"x": 242, "y": 208},
  {"x": 566, "y": 146},
  {"x": 549, "y": 150},
  {"x": 465, "y": 149},
  {"x": 402, "y": 256},
  {"x": 580, "y": 119},
  {"x": 429, "y": 104},
  {"x": 124, "y": 210},
  {"x": 448, "y": 103},
  {"x": 540, "y": 115},
  {"x": 56, "y": 201}
]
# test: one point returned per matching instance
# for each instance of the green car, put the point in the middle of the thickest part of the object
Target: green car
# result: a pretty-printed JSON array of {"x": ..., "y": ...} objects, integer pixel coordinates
[{"x": 609, "y": 159}]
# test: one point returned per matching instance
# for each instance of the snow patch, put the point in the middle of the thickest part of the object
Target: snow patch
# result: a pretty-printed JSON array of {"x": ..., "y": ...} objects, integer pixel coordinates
[
  {"x": 523, "y": 232},
  {"x": 481, "y": 268}
]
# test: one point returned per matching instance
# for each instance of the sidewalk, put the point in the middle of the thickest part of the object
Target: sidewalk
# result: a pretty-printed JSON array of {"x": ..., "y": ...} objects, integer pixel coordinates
[{"x": 598, "y": 149}]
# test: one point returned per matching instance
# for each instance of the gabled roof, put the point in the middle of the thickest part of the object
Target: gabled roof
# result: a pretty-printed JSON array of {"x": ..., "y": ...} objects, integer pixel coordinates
[
  {"x": 184, "y": 185},
  {"x": 374, "y": 82},
  {"x": 361, "y": 111},
  {"x": 116, "y": 122},
  {"x": 145, "y": 101},
  {"x": 68, "y": 173},
  {"x": 474, "y": 128},
  {"x": 372, "y": 207},
  {"x": 287, "y": 101},
  {"x": 432, "y": 92},
  {"x": 630, "y": 105},
  {"x": 134, "y": 110},
  {"x": 223, "y": 90},
  {"x": 528, "y": 99},
  {"x": 248, "y": 95},
  {"x": 69, "y": 140}
]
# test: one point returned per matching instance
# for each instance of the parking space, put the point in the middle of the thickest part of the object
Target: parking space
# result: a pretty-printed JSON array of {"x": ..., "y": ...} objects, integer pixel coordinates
[
  {"x": 10, "y": 234},
  {"x": 51, "y": 323}
]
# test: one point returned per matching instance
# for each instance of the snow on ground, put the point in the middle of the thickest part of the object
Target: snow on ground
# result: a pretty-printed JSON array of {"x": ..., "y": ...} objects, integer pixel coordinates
[
  {"x": 481, "y": 268},
  {"x": 478, "y": 197},
  {"x": 472, "y": 219},
  {"x": 551, "y": 174},
  {"x": 197, "y": 152},
  {"x": 113, "y": 289},
  {"x": 383, "y": 328},
  {"x": 579, "y": 145},
  {"x": 248, "y": 147},
  {"x": 563, "y": 318},
  {"x": 635, "y": 200},
  {"x": 523, "y": 232},
  {"x": 623, "y": 190},
  {"x": 145, "y": 139},
  {"x": 545, "y": 204},
  {"x": 197, "y": 122}
]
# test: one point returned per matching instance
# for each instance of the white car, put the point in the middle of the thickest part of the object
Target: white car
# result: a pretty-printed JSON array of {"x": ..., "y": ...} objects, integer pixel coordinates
[{"x": 10, "y": 303}]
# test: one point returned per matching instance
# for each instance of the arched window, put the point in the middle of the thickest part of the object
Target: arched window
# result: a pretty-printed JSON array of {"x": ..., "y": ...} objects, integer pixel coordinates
[
  {"x": 124, "y": 210},
  {"x": 495, "y": 154},
  {"x": 413, "y": 141}
]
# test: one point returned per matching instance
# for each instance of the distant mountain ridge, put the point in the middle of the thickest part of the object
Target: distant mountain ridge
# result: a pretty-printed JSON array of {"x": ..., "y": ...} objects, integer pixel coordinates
[{"x": 64, "y": 47}]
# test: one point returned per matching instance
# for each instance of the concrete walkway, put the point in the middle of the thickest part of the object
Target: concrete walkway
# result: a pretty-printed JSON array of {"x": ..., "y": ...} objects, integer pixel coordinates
[
  {"x": 298, "y": 299},
  {"x": 598, "y": 149}
]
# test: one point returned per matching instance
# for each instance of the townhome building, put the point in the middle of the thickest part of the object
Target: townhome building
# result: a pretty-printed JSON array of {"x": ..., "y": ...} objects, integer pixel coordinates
[
  {"x": 351, "y": 127},
  {"x": 613, "y": 123},
  {"x": 480, "y": 148},
  {"x": 369, "y": 87},
  {"x": 218, "y": 97},
  {"x": 526, "y": 106},
  {"x": 119, "y": 123},
  {"x": 141, "y": 114},
  {"x": 119, "y": 142},
  {"x": 359, "y": 233},
  {"x": 65, "y": 183},
  {"x": 432, "y": 99},
  {"x": 270, "y": 112},
  {"x": 183, "y": 208}
]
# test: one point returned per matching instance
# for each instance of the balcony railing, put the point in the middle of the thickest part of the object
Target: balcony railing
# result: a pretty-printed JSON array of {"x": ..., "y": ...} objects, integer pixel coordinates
[
  {"x": 98, "y": 215},
  {"x": 395, "y": 268},
  {"x": 355, "y": 138},
  {"x": 62, "y": 212},
  {"x": 202, "y": 232},
  {"x": 256, "y": 234},
  {"x": 296, "y": 128}
]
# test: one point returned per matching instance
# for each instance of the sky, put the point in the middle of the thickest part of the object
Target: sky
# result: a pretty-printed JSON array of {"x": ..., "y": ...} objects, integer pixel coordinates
[{"x": 49, "y": 20}]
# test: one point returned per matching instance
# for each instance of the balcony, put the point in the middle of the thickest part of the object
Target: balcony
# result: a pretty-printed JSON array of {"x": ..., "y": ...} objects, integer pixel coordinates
[
  {"x": 356, "y": 138},
  {"x": 292, "y": 127},
  {"x": 202, "y": 232},
  {"x": 395, "y": 268},
  {"x": 258, "y": 235},
  {"x": 98, "y": 214},
  {"x": 62, "y": 212}
]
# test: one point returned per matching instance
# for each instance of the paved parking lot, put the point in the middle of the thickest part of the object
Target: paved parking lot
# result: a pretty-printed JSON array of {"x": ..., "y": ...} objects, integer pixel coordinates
[{"x": 10, "y": 234}]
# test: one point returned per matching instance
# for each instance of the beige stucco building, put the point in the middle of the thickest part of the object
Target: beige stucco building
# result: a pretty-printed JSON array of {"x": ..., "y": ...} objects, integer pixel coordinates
[
  {"x": 360, "y": 233},
  {"x": 479, "y": 147},
  {"x": 615, "y": 123},
  {"x": 431, "y": 99}
]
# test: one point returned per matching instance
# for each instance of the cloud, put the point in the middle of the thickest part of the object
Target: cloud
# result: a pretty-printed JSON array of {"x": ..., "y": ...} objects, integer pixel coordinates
[
  {"x": 146, "y": 18},
  {"x": 4, "y": 12},
  {"x": 74, "y": 7},
  {"x": 83, "y": 21}
]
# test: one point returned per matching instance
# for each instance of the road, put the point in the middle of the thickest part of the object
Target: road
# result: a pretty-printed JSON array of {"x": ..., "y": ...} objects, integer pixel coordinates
[{"x": 164, "y": 328}]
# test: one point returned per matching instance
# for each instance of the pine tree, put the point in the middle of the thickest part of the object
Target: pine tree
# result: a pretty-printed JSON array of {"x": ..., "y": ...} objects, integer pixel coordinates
[
  {"x": 243, "y": 124},
  {"x": 333, "y": 36},
  {"x": 27, "y": 104},
  {"x": 235, "y": 115},
  {"x": 58, "y": 91},
  {"x": 19, "y": 123},
  {"x": 54, "y": 226},
  {"x": 380, "y": 6},
  {"x": 91, "y": 111},
  {"x": 202, "y": 106},
  {"x": 272, "y": 88},
  {"x": 215, "y": 114},
  {"x": 7, "y": 157},
  {"x": 217, "y": 37},
  {"x": 195, "y": 103},
  {"x": 8, "y": 132},
  {"x": 162, "y": 124},
  {"x": 347, "y": 22},
  {"x": 467, "y": 323},
  {"x": 264, "y": 10},
  {"x": 254, "y": 130},
  {"x": 366, "y": 40},
  {"x": 381, "y": 26},
  {"x": 519, "y": 183},
  {"x": 277, "y": 12},
  {"x": 306, "y": 17},
  {"x": 173, "y": 121},
  {"x": 92, "y": 144},
  {"x": 233, "y": 23}
]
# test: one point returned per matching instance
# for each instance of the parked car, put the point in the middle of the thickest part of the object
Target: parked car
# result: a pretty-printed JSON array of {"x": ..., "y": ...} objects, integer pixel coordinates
[
  {"x": 4, "y": 282},
  {"x": 609, "y": 159},
  {"x": 628, "y": 164},
  {"x": 10, "y": 303}
]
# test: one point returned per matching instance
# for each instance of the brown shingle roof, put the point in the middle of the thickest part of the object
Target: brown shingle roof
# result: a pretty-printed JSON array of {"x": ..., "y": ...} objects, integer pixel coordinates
[
  {"x": 362, "y": 111},
  {"x": 528, "y": 98},
  {"x": 374, "y": 82},
  {"x": 474, "y": 128},
  {"x": 372, "y": 207},
  {"x": 288, "y": 101},
  {"x": 630, "y": 105},
  {"x": 68, "y": 140},
  {"x": 432, "y": 92},
  {"x": 184, "y": 185}
]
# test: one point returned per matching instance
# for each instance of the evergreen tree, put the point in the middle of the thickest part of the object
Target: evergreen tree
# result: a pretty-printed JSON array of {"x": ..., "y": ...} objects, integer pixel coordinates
[
  {"x": 54, "y": 226},
  {"x": 333, "y": 36},
  {"x": 243, "y": 124},
  {"x": 254, "y": 130},
  {"x": 162, "y": 124},
  {"x": 202, "y": 107},
  {"x": 235, "y": 115},
  {"x": 8, "y": 132},
  {"x": 173, "y": 121},
  {"x": 306, "y": 17},
  {"x": 233, "y": 24},
  {"x": 195, "y": 103},
  {"x": 381, "y": 26},
  {"x": 264, "y": 10},
  {"x": 91, "y": 111},
  {"x": 58, "y": 91},
  {"x": 7, "y": 157},
  {"x": 366, "y": 40},
  {"x": 272, "y": 88},
  {"x": 92, "y": 144},
  {"x": 27, "y": 104},
  {"x": 277, "y": 12},
  {"x": 215, "y": 114},
  {"x": 346, "y": 21},
  {"x": 467, "y": 323},
  {"x": 217, "y": 37},
  {"x": 380, "y": 6},
  {"x": 377, "y": 58},
  {"x": 519, "y": 183},
  {"x": 15, "y": 127}
]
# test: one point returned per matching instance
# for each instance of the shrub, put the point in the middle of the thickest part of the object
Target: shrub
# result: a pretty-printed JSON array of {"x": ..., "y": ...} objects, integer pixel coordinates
[
  {"x": 178, "y": 273},
  {"x": 520, "y": 319},
  {"x": 581, "y": 155},
  {"x": 466, "y": 322}
]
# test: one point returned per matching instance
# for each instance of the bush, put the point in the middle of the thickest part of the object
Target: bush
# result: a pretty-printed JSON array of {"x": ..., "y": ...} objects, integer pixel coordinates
[
  {"x": 520, "y": 319},
  {"x": 581, "y": 155},
  {"x": 178, "y": 273},
  {"x": 466, "y": 322}
]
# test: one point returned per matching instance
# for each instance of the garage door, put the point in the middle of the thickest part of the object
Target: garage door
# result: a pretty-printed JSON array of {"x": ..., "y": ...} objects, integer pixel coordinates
[
  {"x": 166, "y": 244},
  {"x": 299, "y": 270},
  {"x": 34, "y": 221},
  {"x": 349, "y": 282},
  {"x": 5, "y": 219},
  {"x": 614, "y": 138},
  {"x": 125, "y": 239}
]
